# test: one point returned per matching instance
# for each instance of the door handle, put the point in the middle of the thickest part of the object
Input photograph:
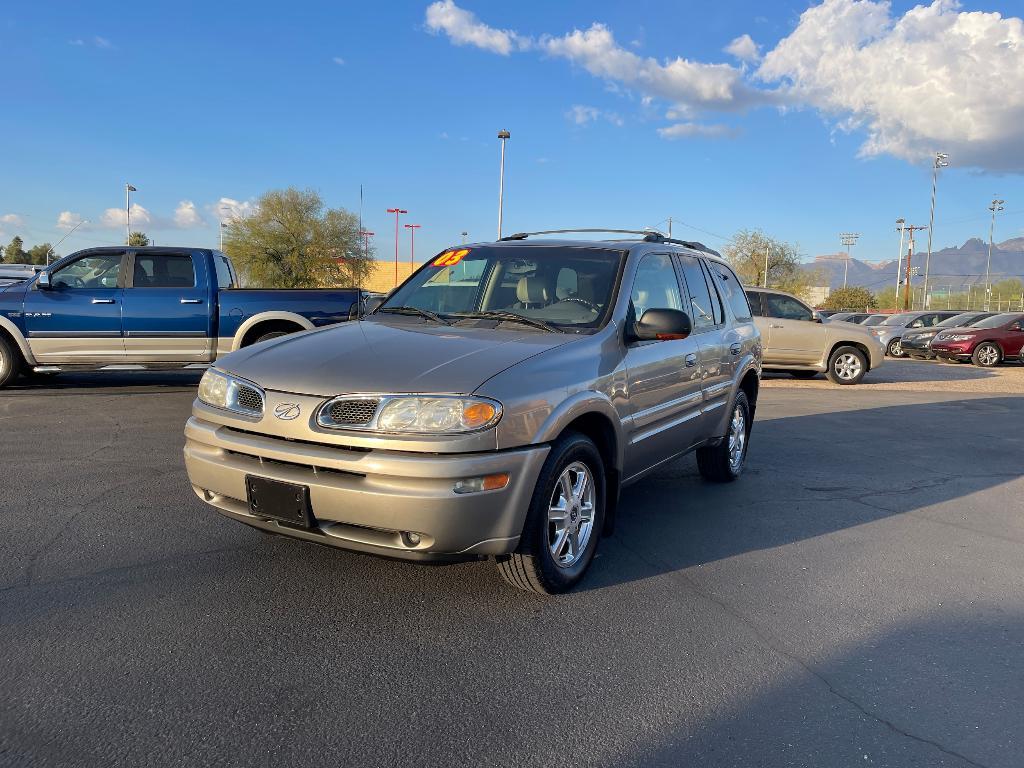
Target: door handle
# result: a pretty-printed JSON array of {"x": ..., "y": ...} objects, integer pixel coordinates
[
  {"x": 691, "y": 360},
  {"x": 776, "y": 326},
  {"x": 734, "y": 348},
  {"x": 191, "y": 301},
  {"x": 102, "y": 301}
]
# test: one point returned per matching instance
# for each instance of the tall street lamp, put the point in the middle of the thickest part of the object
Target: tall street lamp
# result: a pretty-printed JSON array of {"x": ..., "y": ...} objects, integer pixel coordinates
[
  {"x": 366, "y": 242},
  {"x": 504, "y": 136},
  {"x": 997, "y": 205},
  {"x": 128, "y": 189},
  {"x": 848, "y": 239},
  {"x": 901, "y": 228},
  {"x": 464, "y": 236},
  {"x": 398, "y": 212},
  {"x": 941, "y": 161},
  {"x": 412, "y": 245}
]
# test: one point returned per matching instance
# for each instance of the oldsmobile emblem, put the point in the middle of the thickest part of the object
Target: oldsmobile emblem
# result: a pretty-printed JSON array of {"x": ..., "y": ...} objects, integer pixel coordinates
[{"x": 287, "y": 411}]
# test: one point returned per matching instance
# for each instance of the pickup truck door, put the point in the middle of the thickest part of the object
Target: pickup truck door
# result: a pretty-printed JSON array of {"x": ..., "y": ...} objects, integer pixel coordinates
[
  {"x": 167, "y": 315},
  {"x": 664, "y": 377},
  {"x": 78, "y": 318}
]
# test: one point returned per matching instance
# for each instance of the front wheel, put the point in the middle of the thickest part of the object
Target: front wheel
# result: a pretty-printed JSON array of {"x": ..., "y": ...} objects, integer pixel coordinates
[
  {"x": 724, "y": 462},
  {"x": 10, "y": 361},
  {"x": 847, "y": 366},
  {"x": 564, "y": 521},
  {"x": 895, "y": 348},
  {"x": 987, "y": 355}
]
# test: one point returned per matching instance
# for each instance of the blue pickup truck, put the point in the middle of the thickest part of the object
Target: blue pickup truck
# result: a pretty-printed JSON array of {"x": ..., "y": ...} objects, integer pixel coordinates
[{"x": 153, "y": 307}]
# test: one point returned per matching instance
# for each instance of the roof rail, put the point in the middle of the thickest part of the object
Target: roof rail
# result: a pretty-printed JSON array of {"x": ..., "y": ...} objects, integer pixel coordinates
[{"x": 523, "y": 235}]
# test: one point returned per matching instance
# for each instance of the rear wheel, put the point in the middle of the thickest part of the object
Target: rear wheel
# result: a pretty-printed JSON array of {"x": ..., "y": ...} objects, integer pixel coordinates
[
  {"x": 986, "y": 355},
  {"x": 847, "y": 366},
  {"x": 564, "y": 521},
  {"x": 724, "y": 462},
  {"x": 10, "y": 361}
]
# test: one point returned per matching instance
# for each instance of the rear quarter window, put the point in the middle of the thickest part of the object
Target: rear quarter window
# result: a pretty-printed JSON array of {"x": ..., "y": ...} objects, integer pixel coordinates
[{"x": 732, "y": 290}]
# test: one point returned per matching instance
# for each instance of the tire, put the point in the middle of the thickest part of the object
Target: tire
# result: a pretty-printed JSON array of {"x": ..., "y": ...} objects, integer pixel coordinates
[
  {"x": 720, "y": 463},
  {"x": 895, "y": 349},
  {"x": 534, "y": 566},
  {"x": 803, "y": 374},
  {"x": 10, "y": 361},
  {"x": 270, "y": 335},
  {"x": 987, "y": 355},
  {"x": 847, "y": 365}
]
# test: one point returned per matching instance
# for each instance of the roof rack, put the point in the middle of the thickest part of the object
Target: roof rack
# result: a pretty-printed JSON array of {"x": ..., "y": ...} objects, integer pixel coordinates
[{"x": 650, "y": 235}]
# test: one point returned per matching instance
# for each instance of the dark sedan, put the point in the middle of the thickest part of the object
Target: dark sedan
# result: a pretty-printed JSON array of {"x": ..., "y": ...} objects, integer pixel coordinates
[
  {"x": 986, "y": 343},
  {"x": 917, "y": 343}
]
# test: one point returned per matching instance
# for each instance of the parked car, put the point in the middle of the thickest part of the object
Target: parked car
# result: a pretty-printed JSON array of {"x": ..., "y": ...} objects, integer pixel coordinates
[
  {"x": 874, "y": 320},
  {"x": 850, "y": 317},
  {"x": 148, "y": 307},
  {"x": 796, "y": 341},
  {"x": 986, "y": 343},
  {"x": 890, "y": 331},
  {"x": 917, "y": 343},
  {"x": 503, "y": 395}
]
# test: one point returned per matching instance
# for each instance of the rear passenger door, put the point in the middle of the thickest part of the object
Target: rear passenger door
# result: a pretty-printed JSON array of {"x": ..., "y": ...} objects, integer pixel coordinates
[
  {"x": 664, "y": 377},
  {"x": 166, "y": 313},
  {"x": 708, "y": 317}
]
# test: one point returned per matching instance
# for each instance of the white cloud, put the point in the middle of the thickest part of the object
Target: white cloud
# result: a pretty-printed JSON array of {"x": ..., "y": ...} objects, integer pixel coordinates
[
  {"x": 70, "y": 220},
  {"x": 744, "y": 48},
  {"x": 76, "y": 41},
  {"x": 13, "y": 219},
  {"x": 228, "y": 208},
  {"x": 696, "y": 130},
  {"x": 463, "y": 28},
  {"x": 581, "y": 115},
  {"x": 102, "y": 42},
  {"x": 186, "y": 216},
  {"x": 114, "y": 218},
  {"x": 339, "y": 61}
]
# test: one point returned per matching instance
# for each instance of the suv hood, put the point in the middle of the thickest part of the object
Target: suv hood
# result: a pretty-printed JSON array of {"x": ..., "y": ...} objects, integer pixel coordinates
[{"x": 397, "y": 356}]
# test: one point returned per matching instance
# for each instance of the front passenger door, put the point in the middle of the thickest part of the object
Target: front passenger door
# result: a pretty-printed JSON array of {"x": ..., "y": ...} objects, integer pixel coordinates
[
  {"x": 794, "y": 336},
  {"x": 664, "y": 377}
]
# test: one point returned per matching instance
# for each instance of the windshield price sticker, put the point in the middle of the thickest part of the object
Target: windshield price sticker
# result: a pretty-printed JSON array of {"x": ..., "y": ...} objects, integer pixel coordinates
[{"x": 450, "y": 258}]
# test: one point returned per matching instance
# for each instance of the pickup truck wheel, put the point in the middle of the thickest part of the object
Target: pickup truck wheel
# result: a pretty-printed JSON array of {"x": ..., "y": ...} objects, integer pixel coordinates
[
  {"x": 803, "y": 374},
  {"x": 10, "y": 362},
  {"x": 847, "y": 366},
  {"x": 986, "y": 355},
  {"x": 564, "y": 521},
  {"x": 724, "y": 462}
]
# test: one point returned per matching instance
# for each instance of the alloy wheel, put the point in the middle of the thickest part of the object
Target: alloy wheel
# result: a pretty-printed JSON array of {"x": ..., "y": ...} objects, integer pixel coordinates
[
  {"x": 988, "y": 355},
  {"x": 571, "y": 514},
  {"x": 737, "y": 438},
  {"x": 847, "y": 366}
]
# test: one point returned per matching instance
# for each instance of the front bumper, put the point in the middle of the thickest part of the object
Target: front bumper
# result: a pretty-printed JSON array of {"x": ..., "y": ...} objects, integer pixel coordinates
[
  {"x": 917, "y": 347},
  {"x": 955, "y": 350},
  {"x": 365, "y": 499}
]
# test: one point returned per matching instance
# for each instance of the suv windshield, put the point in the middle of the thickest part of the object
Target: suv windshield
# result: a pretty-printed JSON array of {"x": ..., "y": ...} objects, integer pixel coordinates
[{"x": 564, "y": 287}]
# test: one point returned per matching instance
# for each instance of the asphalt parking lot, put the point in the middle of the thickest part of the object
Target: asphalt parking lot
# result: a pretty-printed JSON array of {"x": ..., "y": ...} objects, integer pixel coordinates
[{"x": 857, "y": 598}]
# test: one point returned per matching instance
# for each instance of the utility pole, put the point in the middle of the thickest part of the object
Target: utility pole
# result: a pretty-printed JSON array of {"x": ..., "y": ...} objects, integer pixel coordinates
[
  {"x": 504, "y": 136},
  {"x": 900, "y": 227},
  {"x": 941, "y": 161},
  {"x": 398, "y": 212},
  {"x": 997, "y": 205},
  {"x": 128, "y": 189},
  {"x": 910, "y": 253},
  {"x": 848, "y": 239}
]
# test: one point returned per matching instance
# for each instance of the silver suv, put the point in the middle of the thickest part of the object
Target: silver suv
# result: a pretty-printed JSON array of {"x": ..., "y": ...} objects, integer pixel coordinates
[{"x": 494, "y": 405}]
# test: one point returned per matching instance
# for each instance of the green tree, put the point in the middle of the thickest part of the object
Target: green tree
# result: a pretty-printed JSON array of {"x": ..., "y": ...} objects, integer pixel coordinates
[
  {"x": 14, "y": 253},
  {"x": 747, "y": 252},
  {"x": 294, "y": 241},
  {"x": 138, "y": 239},
  {"x": 37, "y": 253},
  {"x": 887, "y": 298},
  {"x": 852, "y": 297}
]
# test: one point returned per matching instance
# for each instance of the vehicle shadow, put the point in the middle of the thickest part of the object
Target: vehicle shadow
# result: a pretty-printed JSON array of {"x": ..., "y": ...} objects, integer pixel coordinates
[
  {"x": 896, "y": 371},
  {"x": 811, "y": 475},
  {"x": 114, "y": 382}
]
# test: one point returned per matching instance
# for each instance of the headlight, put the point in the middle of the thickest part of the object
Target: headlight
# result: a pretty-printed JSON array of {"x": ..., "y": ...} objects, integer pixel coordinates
[
  {"x": 878, "y": 331},
  {"x": 958, "y": 337},
  {"x": 422, "y": 414},
  {"x": 232, "y": 394}
]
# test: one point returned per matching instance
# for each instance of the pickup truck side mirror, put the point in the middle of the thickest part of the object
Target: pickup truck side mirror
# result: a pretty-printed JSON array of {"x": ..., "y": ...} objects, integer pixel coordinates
[
  {"x": 372, "y": 303},
  {"x": 43, "y": 281},
  {"x": 662, "y": 325}
]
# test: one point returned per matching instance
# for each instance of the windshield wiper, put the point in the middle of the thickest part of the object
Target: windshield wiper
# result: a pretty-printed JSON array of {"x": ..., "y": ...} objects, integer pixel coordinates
[
  {"x": 415, "y": 311},
  {"x": 512, "y": 317}
]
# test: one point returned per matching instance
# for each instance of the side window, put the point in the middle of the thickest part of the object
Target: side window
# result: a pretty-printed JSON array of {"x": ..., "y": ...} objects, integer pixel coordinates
[
  {"x": 655, "y": 285},
  {"x": 718, "y": 309},
  {"x": 89, "y": 272},
  {"x": 164, "y": 270},
  {"x": 732, "y": 290},
  {"x": 786, "y": 308},
  {"x": 756, "y": 301},
  {"x": 224, "y": 278},
  {"x": 701, "y": 309},
  {"x": 917, "y": 322}
]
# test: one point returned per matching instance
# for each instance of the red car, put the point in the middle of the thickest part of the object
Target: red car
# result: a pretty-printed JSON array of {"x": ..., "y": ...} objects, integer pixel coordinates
[{"x": 987, "y": 343}]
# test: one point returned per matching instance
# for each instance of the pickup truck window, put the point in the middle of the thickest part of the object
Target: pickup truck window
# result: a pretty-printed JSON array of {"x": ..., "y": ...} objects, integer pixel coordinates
[
  {"x": 164, "y": 270},
  {"x": 90, "y": 272},
  {"x": 224, "y": 278}
]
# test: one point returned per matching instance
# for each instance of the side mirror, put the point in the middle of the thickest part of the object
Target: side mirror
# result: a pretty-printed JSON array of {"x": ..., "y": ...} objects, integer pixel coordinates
[
  {"x": 372, "y": 303},
  {"x": 43, "y": 281},
  {"x": 662, "y": 325},
  {"x": 816, "y": 317}
]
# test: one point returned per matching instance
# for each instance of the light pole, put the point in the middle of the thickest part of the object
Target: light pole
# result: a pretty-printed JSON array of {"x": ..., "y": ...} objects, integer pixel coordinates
[
  {"x": 412, "y": 245},
  {"x": 503, "y": 135},
  {"x": 848, "y": 239},
  {"x": 996, "y": 207},
  {"x": 941, "y": 161},
  {"x": 901, "y": 228},
  {"x": 767, "y": 250},
  {"x": 223, "y": 209},
  {"x": 911, "y": 271},
  {"x": 464, "y": 236},
  {"x": 128, "y": 189},
  {"x": 53, "y": 248},
  {"x": 398, "y": 212},
  {"x": 366, "y": 242}
]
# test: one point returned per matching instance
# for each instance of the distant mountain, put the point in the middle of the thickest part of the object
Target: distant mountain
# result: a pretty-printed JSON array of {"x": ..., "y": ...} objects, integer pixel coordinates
[{"x": 958, "y": 267}]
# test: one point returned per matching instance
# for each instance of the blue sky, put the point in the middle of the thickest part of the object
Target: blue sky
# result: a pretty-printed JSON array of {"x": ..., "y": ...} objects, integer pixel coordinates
[{"x": 198, "y": 102}]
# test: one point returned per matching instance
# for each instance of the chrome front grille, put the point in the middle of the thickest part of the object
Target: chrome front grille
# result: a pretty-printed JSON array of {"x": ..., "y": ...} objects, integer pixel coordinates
[
  {"x": 249, "y": 399},
  {"x": 350, "y": 412}
]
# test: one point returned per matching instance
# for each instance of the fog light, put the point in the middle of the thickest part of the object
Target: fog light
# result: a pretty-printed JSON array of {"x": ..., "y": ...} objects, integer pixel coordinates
[
  {"x": 410, "y": 539},
  {"x": 487, "y": 483}
]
